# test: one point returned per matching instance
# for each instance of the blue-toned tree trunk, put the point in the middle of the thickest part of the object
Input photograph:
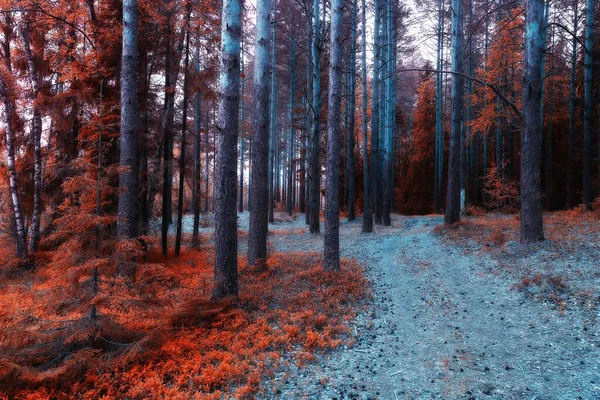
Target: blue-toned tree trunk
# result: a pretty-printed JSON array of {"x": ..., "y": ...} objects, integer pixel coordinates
[
  {"x": 439, "y": 129},
  {"x": 259, "y": 185},
  {"x": 374, "y": 171},
  {"x": 350, "y": 160},
  {"x": 273, "y": 119},
  {"x": 388, "y": 179},
  {"x": 572, "y": 105},
  {"x": 292, "y": 134},
  {"x": 315, "y": 146},
  {"x": 332, "y": 206},
  {"x": 226, "y": 166},
  {"x": 243, "y": 132},
  {"x": 588, "y": 104},
  {"x": 452, "y": 213},
  {"x": 531, "y": 197},
  {"x": 127, "y": 208},
  {"x": 367, "y": 223}
]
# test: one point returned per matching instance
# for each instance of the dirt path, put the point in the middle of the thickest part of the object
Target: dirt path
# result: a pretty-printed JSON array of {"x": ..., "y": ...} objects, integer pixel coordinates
[{"x": 443, "y": 324}]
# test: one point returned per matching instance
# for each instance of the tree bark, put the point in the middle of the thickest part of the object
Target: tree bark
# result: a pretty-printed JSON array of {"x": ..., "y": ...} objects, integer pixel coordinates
[
  {"x": 183, "y": 140},
  {"x": 531, "y": 199},
  {"x": 128, "y": 181},
  {"x": 588, "y": 64},
  {"x": 36, "y": 130},
  {"x": 332, "y": 206},
  {"x": 367, "y": 223},
  {"x": 452, "y": 213},
  {"x": 227, "y": 137},
  {"x": 259, "y": 186}
]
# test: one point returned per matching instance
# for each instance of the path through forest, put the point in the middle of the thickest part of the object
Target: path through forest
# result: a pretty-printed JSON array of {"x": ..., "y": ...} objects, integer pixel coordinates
[{"x": 443, "y": 323}]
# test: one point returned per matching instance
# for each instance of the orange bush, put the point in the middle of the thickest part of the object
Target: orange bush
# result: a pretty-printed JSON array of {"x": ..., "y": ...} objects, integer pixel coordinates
[{"x": 175, "y": 341}]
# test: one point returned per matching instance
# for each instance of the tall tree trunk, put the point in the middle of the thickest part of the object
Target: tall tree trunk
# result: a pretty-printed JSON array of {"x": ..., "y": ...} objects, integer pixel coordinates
[
  {"x": 588, "y": 104},
  {"x": 367, "y": 224},
  {"x": 242, "y": 133},
  {"x": 273, "y": 119},
  {"x": 374, "y": 170},
  {"x": 315, "y": 146},
  {"x": 389, "y": 123},
  {"x": 291, "y": 137},
  {"x": 197, "y": 181},
  {"x": 531, "y": 201},
  {"x": 226, "y": 167},
  {"x": 128, "y": 181},
  {"x": 439, "y": 129},
  {"x": 452, "y": 214},
  {"x": 19, "y": 218},
  {"x": 350, "y": 141},
  {"x": 570, "y": 202},
  {"x": 259, "y": 185},
  {"x": 183, "y": 139},
  {"x": 36, "y": 130},
  {"x": 332, "y": 206}
]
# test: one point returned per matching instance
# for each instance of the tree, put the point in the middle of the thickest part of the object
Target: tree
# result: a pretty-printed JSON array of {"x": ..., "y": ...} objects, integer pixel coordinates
[
  {"x": 36, "y": 130},
  {"x": 531, "y": 202},
  {"x": 452, "y": 213},
  {"x": 367, "y": 224},
  {"x": 183, "y": 137},
  {"x": 572, "y": 104},
  {"x": 226, "y": 166},
  {"x": 315, "y": 140},
  {"x": 127, "y": 223},
  {"x": 350, "y": 167},
  {"x": 259, "y": 185},
  {"x": 588, "y": 104},
  {"x": 332, "y": 205},
  {"x": 439, "y": 132},
  {"x": 374, "y": 167}
]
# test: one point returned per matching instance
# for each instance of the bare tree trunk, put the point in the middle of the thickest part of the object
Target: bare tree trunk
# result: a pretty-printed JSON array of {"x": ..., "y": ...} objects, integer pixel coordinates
[
  {"x": 242, "y": 133},
  {"x": 197, "y": 181},
  {"x": 452, "y": 214},
  {"x": 183, "y": 139},
  {"x": 570, "y": 202},
  {"x": 332, "y": 206},
  {"x": 21, "y": 234},
  {"x": 588, "y": 104},
  {"x": 315, "y": 146},
  {"x": 352, "y": 106},
  {"x": 531, "y": 197},
  {"x": 291, "y": 137},
  {"x": 34, "y": 231},
  {"x": 367, "y": 223},
  {"x": 259, "y": 186},
  {"x": 128, "y": 182},
  {"x": 227, "y": 137}
]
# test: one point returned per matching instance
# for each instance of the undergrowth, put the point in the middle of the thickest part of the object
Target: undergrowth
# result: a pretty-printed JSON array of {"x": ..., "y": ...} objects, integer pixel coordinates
[{"x": 155, "y": 332}]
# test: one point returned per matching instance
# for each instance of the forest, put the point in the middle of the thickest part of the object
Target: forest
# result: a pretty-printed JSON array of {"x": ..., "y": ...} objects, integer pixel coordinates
[{"x": 280, "y": 199}]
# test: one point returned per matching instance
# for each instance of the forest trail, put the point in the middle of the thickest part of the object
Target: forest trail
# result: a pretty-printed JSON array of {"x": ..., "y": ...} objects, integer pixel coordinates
[{"x": 443, "y": 323}]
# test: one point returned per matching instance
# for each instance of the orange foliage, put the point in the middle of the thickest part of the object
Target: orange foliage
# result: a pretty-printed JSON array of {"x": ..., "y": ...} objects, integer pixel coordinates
[{"x": 158, "y": 334}]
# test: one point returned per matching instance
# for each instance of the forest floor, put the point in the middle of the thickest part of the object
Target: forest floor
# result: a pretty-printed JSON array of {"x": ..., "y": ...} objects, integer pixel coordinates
[{"x": 459, "y": 313}]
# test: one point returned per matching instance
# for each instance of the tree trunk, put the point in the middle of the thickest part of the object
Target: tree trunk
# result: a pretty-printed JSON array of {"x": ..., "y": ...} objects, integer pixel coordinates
[
  {"x": 588, "y": 104},
  {"x": 332, "y": 206},
  {"x": 21, "y": 234},
  {"x": 291, "y": 137},
  {"x": 259, "y": 201},
  {"x": 350, "y": 141},
  {"x": 315, "y": 147},
  {"x": 374, "y": 170},
  {"x": 197, "y": 181},
  {"x": 439, "y": 132},
  {"x": 367, "y": 223},
  {"x": 570, "y": 202},
  {"x": 242, "y": 133},
  {"x": 183, "y": 140},
  {"x": 227, "y": 138},
  {"x": 128, "y": 182},
  {"x": 273, "y": 119},
  {"x": 531, "y": 201},
  {"x": 452, "y": 213},
  {"x": 389, "y": 125}
]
